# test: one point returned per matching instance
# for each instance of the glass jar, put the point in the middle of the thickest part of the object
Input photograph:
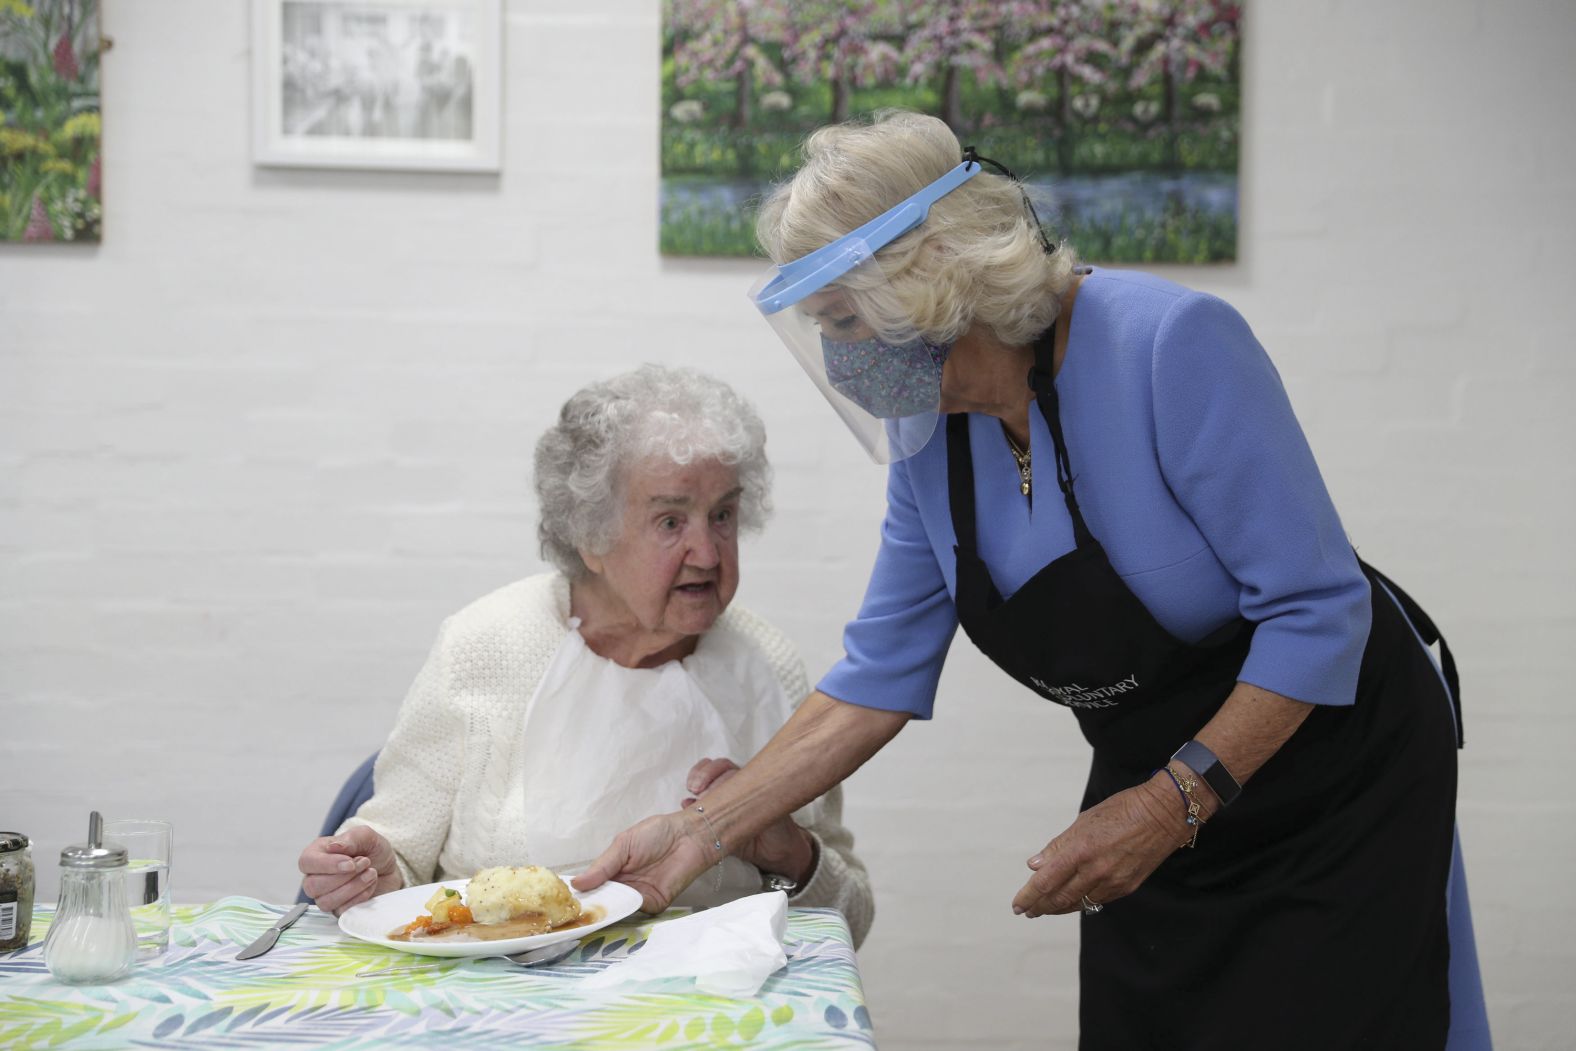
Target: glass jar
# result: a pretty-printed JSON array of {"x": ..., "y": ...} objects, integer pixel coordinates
[
  {"x": 16, "y": 891},
  {"x": 91, "y": 940}
]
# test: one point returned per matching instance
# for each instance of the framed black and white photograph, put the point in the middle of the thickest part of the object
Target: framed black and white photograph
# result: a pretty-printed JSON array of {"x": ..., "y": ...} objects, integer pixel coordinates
[{"x": 400, "y": 84}]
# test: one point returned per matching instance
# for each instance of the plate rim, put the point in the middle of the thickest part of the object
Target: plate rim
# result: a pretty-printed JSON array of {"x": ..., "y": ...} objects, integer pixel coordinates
[{"x": 503, "y": 946}]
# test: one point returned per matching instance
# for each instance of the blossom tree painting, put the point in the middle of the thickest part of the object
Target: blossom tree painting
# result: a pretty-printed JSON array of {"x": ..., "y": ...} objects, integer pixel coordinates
[
  {"x": 948, "y": 40},
  {"x": 1121, "y": 116},
  {"x": 50, "y": 170},
  {"x": 1173, "y": 43},
  {"x": 727, "y": 40},
  {"x": 1064, "y": 43},
  {"x": 845, "y": 44}
]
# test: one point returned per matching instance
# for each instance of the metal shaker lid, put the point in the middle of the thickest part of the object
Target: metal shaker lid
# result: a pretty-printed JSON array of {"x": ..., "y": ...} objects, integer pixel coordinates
[
  {"x": 10, "y": 841},
  {"x": 93, "y": 854},
  {"x": 84, "y": 856}
]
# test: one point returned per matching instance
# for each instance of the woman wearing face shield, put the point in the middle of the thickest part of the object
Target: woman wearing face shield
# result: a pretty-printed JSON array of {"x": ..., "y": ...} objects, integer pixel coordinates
[{"x": 1098, "y": 476}]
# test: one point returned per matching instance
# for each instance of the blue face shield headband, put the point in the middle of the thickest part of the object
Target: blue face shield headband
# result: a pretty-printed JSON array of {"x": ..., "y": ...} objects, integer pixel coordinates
[
  {"x": 811, "y": 273},
  {"x": 889, "y": 394}
]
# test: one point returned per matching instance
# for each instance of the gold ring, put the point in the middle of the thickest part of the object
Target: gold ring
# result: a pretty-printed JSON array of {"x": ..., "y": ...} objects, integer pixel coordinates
[{"x": 1091, "y": 907}]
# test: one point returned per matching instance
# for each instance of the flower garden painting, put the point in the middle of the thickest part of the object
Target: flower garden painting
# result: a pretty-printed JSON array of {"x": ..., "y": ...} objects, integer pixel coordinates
[
  {"x": 1121, "y": 116},
  {"x": 49, "y": 120}
]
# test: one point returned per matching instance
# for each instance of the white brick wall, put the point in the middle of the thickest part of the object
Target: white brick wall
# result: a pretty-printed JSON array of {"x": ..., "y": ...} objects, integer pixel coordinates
[{"x": 256, "y": 446}]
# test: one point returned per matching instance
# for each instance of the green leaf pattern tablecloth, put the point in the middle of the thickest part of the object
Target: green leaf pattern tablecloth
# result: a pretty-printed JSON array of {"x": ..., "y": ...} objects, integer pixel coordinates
[{"x": 305, "y": 993}]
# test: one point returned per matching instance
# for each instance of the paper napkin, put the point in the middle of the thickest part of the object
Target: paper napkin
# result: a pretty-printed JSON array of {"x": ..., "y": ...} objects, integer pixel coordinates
[{"x": 729, "y": 950}]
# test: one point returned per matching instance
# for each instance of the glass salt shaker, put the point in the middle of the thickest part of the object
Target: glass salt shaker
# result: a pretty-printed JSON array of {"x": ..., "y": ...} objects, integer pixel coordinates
[{"x": 91, "y": 940}]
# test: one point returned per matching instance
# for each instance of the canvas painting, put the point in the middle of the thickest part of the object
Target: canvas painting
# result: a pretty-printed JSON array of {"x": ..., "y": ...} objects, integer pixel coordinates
[
  {"x": 378, "y": 83},
  {"x": 1121, "y": 116},
  {"x": 50, "y": 172}
]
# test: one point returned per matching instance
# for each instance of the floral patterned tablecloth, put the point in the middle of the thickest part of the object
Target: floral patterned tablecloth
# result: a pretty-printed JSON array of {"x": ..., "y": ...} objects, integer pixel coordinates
[{"x": 305, "y": 993}]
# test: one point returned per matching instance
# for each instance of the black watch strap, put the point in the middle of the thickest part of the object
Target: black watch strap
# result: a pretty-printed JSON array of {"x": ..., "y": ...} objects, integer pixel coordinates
[{"x": 1204, "y": 763}]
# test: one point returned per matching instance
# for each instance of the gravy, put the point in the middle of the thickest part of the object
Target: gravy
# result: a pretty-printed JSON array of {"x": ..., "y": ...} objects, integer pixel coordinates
[{"x": 522, "y": 926}]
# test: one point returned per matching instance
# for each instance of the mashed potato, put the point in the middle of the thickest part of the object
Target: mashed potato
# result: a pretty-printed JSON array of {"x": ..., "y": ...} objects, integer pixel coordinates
[{"x": 500, "y": 894}]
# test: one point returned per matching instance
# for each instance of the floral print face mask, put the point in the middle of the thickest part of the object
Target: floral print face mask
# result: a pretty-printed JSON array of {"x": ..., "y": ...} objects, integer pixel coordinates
[{"x": 887, "y": 380}]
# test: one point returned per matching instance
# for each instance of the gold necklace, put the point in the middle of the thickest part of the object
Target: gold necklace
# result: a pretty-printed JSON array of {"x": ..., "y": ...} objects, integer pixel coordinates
[{"x": 1022, "y": 458}]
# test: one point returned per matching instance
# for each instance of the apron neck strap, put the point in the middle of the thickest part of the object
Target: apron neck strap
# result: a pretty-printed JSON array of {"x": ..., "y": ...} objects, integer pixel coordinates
[
  {"x": 1042, "y": 381},
  {"x": 960, "y": 482}
]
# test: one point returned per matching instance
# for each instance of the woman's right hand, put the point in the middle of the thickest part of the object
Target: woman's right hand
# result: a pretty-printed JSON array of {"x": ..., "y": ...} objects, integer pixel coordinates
[
  {"x": 783, "y": 847},
  {"x": 823, "y": 742},
  {"x": 349, "y": 868},
  {"x": 658, "y": 857}
]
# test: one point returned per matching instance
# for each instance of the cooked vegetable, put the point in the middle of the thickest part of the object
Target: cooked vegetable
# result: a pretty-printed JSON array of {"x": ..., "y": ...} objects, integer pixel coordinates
[{"x": 443, "y": 899}]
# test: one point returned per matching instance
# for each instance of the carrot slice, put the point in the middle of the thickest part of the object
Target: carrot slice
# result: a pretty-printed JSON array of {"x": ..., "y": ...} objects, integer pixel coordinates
[{"x": 419, "y": 923}]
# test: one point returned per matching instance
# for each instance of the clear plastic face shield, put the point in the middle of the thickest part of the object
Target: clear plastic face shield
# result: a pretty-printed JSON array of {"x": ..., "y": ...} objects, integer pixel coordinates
[{"x": 889, "y": 393}]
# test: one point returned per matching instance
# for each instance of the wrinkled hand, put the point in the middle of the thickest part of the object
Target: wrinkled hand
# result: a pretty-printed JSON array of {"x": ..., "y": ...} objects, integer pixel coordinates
[
  {"x": 783, "y": 847},
  {"x": 659, "y": 857},
  {"x": 1108, "y": 852},
  {"x": 349, "y": 868}
]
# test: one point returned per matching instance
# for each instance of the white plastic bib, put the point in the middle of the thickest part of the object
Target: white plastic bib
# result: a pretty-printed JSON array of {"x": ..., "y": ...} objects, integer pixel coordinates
[{"x": 606, "y": 746}]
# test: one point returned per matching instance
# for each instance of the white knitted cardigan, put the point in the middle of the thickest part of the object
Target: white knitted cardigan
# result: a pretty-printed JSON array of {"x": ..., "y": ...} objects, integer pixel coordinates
[{"x": 450, "y": 781}]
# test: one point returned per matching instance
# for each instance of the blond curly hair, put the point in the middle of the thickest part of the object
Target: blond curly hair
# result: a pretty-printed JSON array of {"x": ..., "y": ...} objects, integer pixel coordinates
[{"x": 976, "y": 258}]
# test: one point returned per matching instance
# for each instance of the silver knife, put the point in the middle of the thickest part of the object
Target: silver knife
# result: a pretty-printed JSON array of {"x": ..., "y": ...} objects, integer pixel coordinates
[{"x": 271, "y": 935}]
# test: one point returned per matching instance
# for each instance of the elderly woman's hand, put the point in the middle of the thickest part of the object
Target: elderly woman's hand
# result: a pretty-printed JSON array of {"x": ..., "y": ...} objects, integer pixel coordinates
[
  {"x": 1108, "y": 852},
  {"x": 783, "y": 847},
  {"x": 349, "y": 868}
]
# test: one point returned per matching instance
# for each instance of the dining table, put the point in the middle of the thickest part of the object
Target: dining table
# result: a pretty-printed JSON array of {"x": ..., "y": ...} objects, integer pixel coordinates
[{"x": 316, "y": 989}]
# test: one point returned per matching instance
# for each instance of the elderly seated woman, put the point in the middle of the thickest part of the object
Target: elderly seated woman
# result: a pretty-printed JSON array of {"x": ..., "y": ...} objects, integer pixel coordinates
[{"x": 562, "y": 708}]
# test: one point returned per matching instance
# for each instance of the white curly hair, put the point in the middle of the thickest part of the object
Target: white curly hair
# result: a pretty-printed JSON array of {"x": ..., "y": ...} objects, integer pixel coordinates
[{"x": 607, "y": 428}]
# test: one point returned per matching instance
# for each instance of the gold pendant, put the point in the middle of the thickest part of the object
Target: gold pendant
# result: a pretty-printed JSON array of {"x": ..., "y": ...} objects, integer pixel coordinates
[{"x": 1023, "y": 488}]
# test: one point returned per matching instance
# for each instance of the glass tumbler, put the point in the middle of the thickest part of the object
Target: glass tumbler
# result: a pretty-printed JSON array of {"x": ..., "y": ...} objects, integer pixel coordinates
[{"x": 149, "y": 845}]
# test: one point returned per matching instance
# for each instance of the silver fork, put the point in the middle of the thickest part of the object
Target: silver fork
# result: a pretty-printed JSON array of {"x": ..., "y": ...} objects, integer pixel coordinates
[{"x": 533, "y": 958}]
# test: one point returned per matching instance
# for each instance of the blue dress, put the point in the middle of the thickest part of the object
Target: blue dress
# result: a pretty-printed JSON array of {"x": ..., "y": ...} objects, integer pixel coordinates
[{"x": 1195, "y": 476}]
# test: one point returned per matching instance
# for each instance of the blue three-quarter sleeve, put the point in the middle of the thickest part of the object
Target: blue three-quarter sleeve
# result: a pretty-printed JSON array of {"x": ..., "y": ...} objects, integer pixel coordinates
[
  {"x": 1215, "y": 511},
  {"x": 1237, "y": 461},
  {"x": 898, "y": 643}
]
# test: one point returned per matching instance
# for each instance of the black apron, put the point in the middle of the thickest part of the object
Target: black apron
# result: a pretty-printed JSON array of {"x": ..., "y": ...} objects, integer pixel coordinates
[{"x": 1312, "y": 913}]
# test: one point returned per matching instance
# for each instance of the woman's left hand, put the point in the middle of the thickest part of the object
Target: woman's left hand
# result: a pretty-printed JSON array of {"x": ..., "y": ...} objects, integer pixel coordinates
[
  {"x": 782, "y": 847},
  {"x": 1108, "y": 852}
]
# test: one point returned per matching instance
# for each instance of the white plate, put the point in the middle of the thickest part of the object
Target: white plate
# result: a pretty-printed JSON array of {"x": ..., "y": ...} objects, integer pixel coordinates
[{"x": 372, "y": 920}]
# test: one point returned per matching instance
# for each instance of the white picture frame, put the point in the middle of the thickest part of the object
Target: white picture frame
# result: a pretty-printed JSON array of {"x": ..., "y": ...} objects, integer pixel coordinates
[{"x": 381, "y": 84}]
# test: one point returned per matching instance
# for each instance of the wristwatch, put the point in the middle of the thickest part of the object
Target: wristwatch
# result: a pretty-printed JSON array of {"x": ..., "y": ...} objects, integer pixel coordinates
[
  {"x": 772, "y": 881},
  {"x": 1203, "y": 762}
]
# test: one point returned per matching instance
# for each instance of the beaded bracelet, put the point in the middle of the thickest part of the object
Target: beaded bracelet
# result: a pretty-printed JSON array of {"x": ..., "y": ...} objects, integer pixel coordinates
[
  {"x": 716, "y": 842},
  {"x": 1185, "y": 785}
]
